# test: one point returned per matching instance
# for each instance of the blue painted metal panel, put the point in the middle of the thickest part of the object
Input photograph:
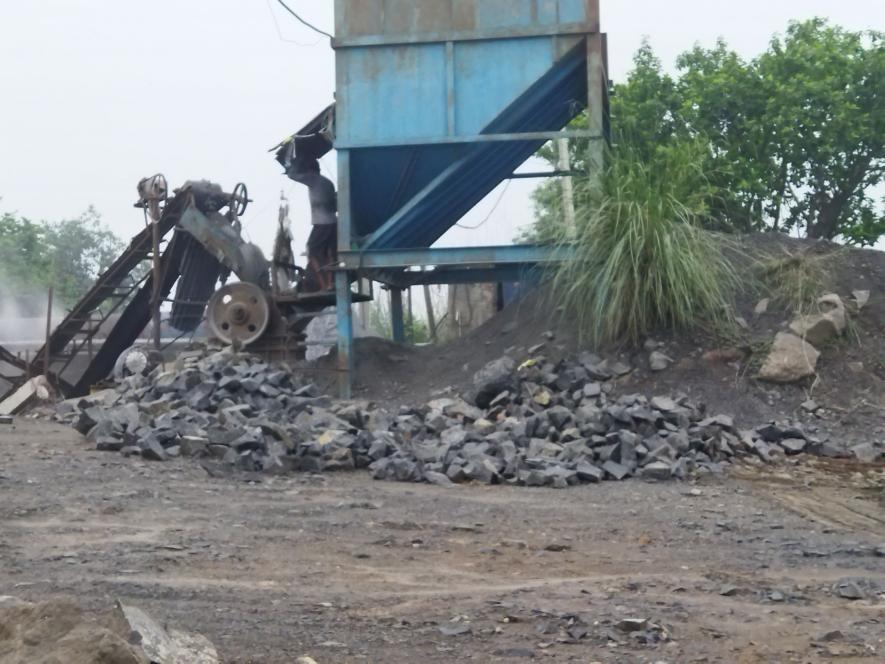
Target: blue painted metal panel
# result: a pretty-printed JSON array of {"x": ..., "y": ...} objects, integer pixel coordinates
[
  {"x": 392, "y": 93},
  {"x": 489, "y": 79},
  {"x": 560, "y": 12},
  {"x": 455, "y": 256},
  {"x": 398, "y": 89},
  {"x": 549, "y": 104},
  {"x": 504, "y": 14},
  {"x": 385, "y": 179},
  {"x": 572, "y": 11},
  {"x": 486, "y": 82},
  {"x": 548, "y": 12},
  {"x": 396, "y": 94},
  {"x": 424, "y": 73}
]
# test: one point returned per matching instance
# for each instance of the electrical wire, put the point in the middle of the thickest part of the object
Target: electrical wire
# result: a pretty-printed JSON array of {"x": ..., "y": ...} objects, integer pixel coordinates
[
  {"x": 491, "y": 212},
  {"x": 301, "y": 20},
  {"x": 280, "y": 32}
]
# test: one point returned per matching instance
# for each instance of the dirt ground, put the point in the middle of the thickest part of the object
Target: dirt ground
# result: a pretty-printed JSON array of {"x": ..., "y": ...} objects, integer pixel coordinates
[
  {"x": 851, "y": 373},
  {"x": 346, "y": 569}
]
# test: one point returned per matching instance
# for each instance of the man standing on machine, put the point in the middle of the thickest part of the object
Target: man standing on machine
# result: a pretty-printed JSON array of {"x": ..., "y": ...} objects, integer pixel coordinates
[{"x": 322, "y": 245}]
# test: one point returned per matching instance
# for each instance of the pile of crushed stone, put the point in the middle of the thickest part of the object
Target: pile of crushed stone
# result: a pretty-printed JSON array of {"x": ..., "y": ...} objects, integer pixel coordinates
[{"x": 535, "y": 424}]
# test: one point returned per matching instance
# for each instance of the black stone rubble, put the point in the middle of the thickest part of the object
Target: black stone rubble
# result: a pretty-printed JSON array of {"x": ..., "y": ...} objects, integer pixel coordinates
[{"x": 537, "y": 424}]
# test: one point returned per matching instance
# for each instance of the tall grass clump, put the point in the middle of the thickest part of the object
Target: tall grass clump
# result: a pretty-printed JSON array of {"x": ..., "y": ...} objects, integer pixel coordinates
[
  {"x": 642, "y": 258},
  {"x": 796, "y": 279}
]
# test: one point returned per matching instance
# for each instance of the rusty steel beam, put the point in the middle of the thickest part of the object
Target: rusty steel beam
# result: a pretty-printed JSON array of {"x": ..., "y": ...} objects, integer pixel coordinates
[
  {"x": 133, "y": 321},
  {"x": 110, "y": 281},
  {"x": 9, "y": 358}
]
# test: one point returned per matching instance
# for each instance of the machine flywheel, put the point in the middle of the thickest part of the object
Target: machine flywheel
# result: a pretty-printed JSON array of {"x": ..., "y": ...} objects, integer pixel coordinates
[{"x": 238, "y": 313}]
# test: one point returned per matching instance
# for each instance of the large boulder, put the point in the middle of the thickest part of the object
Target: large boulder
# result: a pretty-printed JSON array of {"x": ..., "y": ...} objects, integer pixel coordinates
[
  {"x": 495, "y": 377},
  {"x": 790, "y": 359}
]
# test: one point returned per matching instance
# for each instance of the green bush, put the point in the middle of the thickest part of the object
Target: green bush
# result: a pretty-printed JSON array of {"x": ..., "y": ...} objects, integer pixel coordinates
[{"x": 642, "y": 258}]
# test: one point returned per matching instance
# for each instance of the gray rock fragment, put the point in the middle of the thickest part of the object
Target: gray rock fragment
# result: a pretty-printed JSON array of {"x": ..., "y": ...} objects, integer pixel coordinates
[
  {"x": 496, "y": 377},
  {"x": 587, "y": 472},
  {"x": 615, "y": 470},
  {"x": 455, "y": 629},
  {"x": 866, "y": 452},
  {"x": 810, "y": 406},
  {"x": 439, "y": 479},
  {"x": 793, "y": 446},
  {"x": 849, "y": 589},
  {"x": 657, "y": 470},
  {"x": 657, "y": 361}
]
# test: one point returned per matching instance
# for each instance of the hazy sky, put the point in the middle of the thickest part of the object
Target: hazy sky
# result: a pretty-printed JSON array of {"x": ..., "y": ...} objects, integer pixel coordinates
[{"x": 95, "y": 94}]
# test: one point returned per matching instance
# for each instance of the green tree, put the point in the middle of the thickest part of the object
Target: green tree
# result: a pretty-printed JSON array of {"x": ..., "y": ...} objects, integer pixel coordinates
[
  {"x": 798, "y": 131},
  {"x": 794, "y": 138},
  {"x": 645, "y": 108},
  {"x": 81, "y": 249},
  {"x": 69, "y": 255},
  {"x": 721, "y": 99},
  {"x": 826, "y": 87},
  {"x": 25, "y": 262},
  {"x": 643, "y": 116}
]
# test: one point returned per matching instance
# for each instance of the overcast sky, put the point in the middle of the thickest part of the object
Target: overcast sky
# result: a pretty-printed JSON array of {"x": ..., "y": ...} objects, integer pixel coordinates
[{"x": 95, "y": 94}]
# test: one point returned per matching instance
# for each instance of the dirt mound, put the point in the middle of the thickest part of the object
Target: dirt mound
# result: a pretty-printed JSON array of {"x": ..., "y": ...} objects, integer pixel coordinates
[
  {"x": 60, "y": 632},
  {"x": 849, "y": 386}
]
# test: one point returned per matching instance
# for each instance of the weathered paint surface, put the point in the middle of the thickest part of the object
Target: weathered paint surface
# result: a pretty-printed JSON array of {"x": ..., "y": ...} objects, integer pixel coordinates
[
  {"x": 419, "y": 82},
  {"x": 465, "y": 63},
  {"x": 410, "y": 19},
  {"x": 438, "y": 102}
]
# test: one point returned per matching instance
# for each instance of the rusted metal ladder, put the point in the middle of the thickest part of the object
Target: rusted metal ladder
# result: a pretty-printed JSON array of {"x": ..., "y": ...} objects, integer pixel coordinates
[{"x": 113, "y": 293}]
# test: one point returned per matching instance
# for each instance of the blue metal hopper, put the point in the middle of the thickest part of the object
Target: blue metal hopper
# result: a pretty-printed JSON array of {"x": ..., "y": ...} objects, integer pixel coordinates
[{"x": 437, "y": 103}]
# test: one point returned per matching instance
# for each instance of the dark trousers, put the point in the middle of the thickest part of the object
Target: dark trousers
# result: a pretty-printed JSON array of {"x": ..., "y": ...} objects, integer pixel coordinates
[{"x": 322, "y": 251}]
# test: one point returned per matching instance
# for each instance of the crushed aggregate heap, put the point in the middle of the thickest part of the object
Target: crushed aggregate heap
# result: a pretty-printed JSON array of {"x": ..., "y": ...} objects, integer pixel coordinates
[{"x": 536, "y": 424}]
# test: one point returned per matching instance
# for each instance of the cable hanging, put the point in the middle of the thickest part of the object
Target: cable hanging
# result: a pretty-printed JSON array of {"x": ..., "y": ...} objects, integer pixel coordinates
[
  {"x": 276, "y": 24},
  {"x": 491, "y": 212},
  {"x": 301, "y": 20}
]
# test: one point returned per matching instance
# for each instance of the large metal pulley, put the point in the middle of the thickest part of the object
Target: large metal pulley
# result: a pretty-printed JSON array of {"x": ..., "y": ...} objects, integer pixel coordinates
[{"x": 238, "y": 313}]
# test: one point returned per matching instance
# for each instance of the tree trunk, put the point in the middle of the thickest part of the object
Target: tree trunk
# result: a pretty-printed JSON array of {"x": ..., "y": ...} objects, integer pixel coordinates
[{"x": 829, "y": 209}]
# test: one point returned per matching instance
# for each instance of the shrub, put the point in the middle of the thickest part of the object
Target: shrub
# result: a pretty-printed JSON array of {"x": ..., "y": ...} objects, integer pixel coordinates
[
  {"x": 796, "y": 279},
  {"x": 642, "y": 259}
]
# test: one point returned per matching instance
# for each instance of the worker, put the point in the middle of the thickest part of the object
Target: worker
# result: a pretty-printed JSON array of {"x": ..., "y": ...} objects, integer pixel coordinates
[{"x": 322, "y": 245}]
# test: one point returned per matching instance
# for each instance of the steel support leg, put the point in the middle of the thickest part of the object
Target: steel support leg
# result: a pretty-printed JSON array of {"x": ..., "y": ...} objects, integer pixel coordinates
[
  {"x": 597, "y": 80},
  {"x": 344, "y": 312},
  {"x": 343, "y": 297},
  {"x": 396, "y": 315}
]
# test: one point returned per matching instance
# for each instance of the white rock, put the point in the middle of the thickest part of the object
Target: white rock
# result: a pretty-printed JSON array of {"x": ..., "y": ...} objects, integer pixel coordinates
[
  {"x": 168, "y": 647},
  {"x": 831, "y": 305},
  {"x": 762, "y": 307},
  {"x": 789, "y": 360},
  {"x": 861, "y": 298},
  {"x": 658, "y": 361}
]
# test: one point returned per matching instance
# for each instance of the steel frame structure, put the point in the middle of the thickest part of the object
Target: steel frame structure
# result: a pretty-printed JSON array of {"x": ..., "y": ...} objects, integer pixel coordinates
[{"x": 376, "y": 40}]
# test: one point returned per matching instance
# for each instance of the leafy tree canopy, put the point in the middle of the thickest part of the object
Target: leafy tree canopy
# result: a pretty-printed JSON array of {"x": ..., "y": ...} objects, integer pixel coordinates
[
  {"x": 68, "y": 255},
  {"x": 795, "y": 138}
]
